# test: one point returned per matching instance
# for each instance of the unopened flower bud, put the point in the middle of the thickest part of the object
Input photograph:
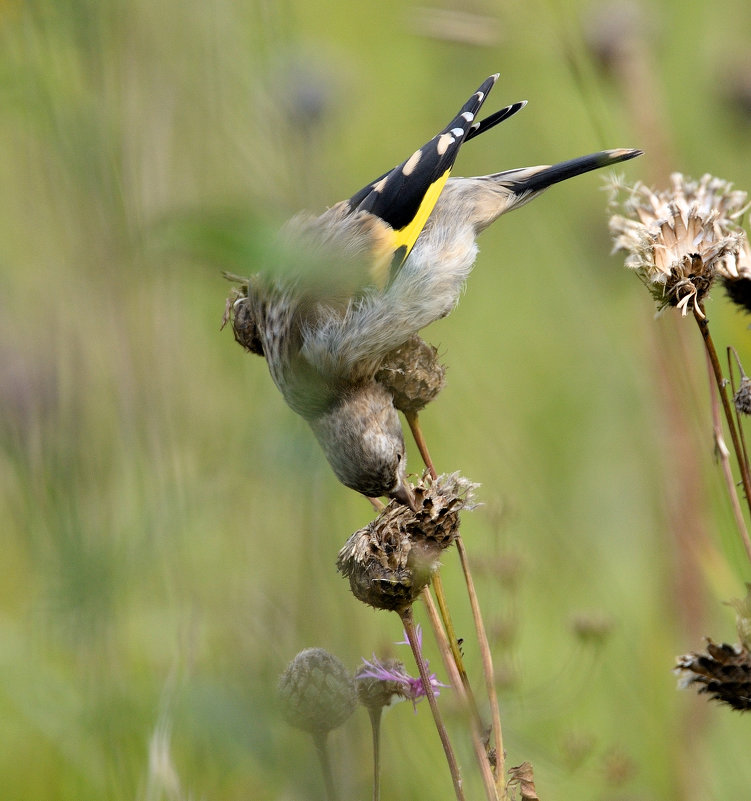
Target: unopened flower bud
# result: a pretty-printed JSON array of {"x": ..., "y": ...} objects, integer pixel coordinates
[
  {"x": 412, "y": 374},
  {"x": 317, "y": 693}
]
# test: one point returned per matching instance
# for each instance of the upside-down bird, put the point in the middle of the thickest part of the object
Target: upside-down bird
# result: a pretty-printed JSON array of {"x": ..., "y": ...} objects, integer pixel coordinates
[{"x": 347, "y": 287}]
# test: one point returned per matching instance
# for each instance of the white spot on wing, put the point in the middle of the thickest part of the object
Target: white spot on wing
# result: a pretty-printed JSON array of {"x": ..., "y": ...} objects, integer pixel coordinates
[
  {"x": 412, "y": 162},
  {"x": 444, "y": 140},
  {"x": 378, "y": 185},
  {"x": 468, "y": 116},
  {"x": 457, "y": 131}
]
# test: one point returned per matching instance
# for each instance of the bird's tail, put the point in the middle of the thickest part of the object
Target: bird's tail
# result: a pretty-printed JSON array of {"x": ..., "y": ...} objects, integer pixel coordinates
[{"x": 525, "y": 183}]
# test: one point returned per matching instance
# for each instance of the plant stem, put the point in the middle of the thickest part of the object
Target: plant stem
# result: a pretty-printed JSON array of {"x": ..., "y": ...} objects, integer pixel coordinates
[
  {"x": 422, "y": 446},
  {"x": 409, "y": 626},
  {"x": 320, "y": 740},
  {"x": 461, "y": 689},
  {"x": 375, "y": 726},
  {"x": 453, "y": 641},
  {"x": 487, "y": 669},
  {"x": 703, "y": 324},
  {"x": 732, "y": 350},
  {"x": 723, "y": 455},
  {"x": 487, "y": 661}
]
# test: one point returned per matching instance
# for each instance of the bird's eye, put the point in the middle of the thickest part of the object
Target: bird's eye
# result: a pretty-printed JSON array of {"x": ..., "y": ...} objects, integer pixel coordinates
[{"x": 398, "y": 457}]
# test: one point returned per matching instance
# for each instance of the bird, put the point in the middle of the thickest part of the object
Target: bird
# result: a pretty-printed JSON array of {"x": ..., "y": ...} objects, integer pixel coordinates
[{"x": 346, "y": 287}]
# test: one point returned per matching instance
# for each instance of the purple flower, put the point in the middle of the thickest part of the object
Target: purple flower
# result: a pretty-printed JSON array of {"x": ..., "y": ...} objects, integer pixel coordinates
[{"x": 395, "y": 679}]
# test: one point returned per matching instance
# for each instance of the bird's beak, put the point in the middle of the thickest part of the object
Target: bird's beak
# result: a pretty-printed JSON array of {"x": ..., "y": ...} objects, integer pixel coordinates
[{"x": 404, "y": 495}]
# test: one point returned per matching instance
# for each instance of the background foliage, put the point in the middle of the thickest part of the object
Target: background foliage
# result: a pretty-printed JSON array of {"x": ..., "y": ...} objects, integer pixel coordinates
[{"x": 169, "y": 528}]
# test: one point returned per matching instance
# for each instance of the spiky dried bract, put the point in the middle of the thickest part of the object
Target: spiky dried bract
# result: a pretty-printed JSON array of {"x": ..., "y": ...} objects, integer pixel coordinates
[
  {"x": 679, "y": 239},
  {"x": 724, "y": 672},
  {"x": 742, "y": 398},
  {"x": 738, "y": 286},
  {"x": 237, "y": 313},
  {"x": 412, "y": 374},
  {"x": 522, "y": 776},
  {"x": 393, "y": 558},
  {"x": 316, "y": 692}
]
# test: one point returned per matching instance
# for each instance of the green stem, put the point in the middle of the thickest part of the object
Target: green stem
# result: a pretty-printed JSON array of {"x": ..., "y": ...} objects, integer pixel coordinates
[
  {"x": 487, "y": 669},
  {"x": 320, "y": 740},
  {"x": 375, "y": 726},
  {"x": 476, "y": 725},
  {"x": 409, "y": 627},
  {"x": 703, "y": 324}
]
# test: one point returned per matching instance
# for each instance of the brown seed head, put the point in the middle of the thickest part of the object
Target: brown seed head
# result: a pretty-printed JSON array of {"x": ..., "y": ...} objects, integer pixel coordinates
[
  {"x": 723, "y": 672},
  {"x": 237, "y": 312},
  {"x": 738, "y": 284},
  {"x": 412, "y": 374},
  {"x": 678, "y": 240},
  {"x": 390, "y": 560},
  {"x": 742, "y": 398},
  {"x": 316, "y": 692}
]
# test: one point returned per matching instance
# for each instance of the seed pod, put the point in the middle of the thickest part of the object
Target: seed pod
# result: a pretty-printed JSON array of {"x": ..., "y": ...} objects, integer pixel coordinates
[
  {"x": 392, "y": 559},
  {"x": 723, "y": 672},
  {"x": 412, "y": 374}
]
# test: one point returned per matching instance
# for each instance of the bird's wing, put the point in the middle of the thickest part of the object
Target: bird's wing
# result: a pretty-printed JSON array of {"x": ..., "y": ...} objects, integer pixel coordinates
[{"x": 404, "y": 197}]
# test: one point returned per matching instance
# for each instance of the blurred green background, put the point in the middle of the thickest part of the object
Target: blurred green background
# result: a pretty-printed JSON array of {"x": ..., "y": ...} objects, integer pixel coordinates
[{"x": 169, "y": 527}]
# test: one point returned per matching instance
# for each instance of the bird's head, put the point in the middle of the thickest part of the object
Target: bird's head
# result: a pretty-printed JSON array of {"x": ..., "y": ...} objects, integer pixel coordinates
[{"x": 362, "y": 439}]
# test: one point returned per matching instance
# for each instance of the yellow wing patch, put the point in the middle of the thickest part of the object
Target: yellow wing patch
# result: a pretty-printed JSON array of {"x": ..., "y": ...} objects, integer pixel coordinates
[
  {"x": 391, "y": 250},
  {"x": 407, "y": 236}
]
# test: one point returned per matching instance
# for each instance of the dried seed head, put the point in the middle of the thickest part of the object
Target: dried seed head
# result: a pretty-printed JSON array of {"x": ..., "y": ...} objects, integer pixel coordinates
[
  {"x": 738, "y": 282},
  {"x": 243, "y": 325},
  {"x": 316, "y": 692},
  {"x": 723, "y": 672},
  {"x": 237, "y": 312},
  {"x": 680, "y": 239},
  {"x": 742, "y": 398},
  {"x": 390, "y": 560},
  {"x": 522, "y": 776},
  {"x": 412, "y": 374}
]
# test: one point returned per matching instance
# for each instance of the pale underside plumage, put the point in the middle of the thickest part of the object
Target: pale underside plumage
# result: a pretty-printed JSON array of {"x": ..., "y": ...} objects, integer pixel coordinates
[{"x": 340, "y": 338}]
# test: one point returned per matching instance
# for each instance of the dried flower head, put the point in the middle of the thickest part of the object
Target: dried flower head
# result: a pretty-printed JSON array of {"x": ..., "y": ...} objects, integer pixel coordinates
[
  {"x": 738, "y": 285},
  {"x": 237, "y": 313},
  {"x": 724, "y": 672},
  {"x": 412, "y": 374},
  {"x": 742, "y": 398},
  {"x": 316, "y": 692},
  {"x": 522, "y": 776},
  {"x": 678, "y": 240},
  {"x": 390, "y": 560}
]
